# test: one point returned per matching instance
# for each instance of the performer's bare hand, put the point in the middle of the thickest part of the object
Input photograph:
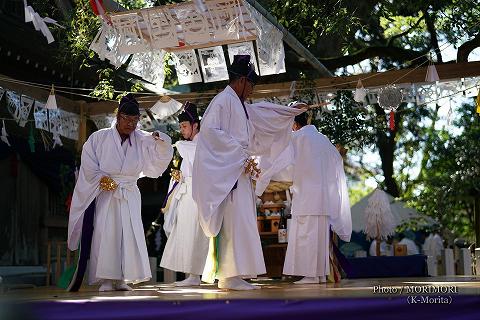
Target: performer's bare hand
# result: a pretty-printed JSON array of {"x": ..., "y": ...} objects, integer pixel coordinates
[
  {"x": 251, "y": 167},
  {"x": 156, "y": 136}
]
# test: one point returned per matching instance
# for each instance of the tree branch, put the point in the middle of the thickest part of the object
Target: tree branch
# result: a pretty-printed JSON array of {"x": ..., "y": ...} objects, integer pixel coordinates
[
  {"x": 397, "y": 54},
  {"x": 467, "y": 47},
  {"x": 433, "y": 34},
  {"x": 414, "y": 26}
]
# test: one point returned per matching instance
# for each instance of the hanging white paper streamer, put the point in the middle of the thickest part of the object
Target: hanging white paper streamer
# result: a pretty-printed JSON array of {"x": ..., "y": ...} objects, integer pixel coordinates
[
  {"x": 2, "y": 91},
  {"x": 271, "y": 54},
  {"x": 213, "y": 64},
  {"x": 165, "y": 107},
  {"x": 4, "y": 136},
  {"x": 149, "y": 66},
  {"x": 243, "y": 48},
  {"x": 25, "y": 107},
  {"x": 40, "y": 114},
  {"x": 106, "y": 45},
  {"x": 39, "y": 23},
  {"x": 13, "y": 104},
  {"x": 186, "y": 66},
  {"x": 379, "y": 217},
  {"x": 56, "y": 140}
]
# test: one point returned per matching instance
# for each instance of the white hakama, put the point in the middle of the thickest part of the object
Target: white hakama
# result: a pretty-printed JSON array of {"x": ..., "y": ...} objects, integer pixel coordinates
[
  {"x": 231, "y": 134},
  {"x": 239, "y": 256},
  {"x": 118, "y": 249},
  {"x": 308, "y": 247}
]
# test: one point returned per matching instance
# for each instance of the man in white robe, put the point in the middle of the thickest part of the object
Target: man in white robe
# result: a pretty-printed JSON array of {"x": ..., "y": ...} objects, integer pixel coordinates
[
  {"x": 231, "y": 132},
  {"x": 112, "y": 161},
  {"x": 187, "y": 246},
  {"x": 320, "y": 201}
]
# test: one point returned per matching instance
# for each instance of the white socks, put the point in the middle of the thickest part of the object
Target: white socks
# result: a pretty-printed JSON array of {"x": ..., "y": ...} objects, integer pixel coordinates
[
  {"x": 235, "y": 283},
  {"x": 111, "y": 285},
  {"x": 312, "y": 280},
  {"x": 192, "y": 280}
]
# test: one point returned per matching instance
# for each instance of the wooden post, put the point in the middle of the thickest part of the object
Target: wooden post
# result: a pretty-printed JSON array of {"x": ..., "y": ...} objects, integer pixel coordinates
[
  {"x": 82, "y": 127},
  {"x": 58, "y": 262},
  {"x": 476, "y": 215},
  {"x": 49, "y": 262},
  {"x": 68, "y": 257}
]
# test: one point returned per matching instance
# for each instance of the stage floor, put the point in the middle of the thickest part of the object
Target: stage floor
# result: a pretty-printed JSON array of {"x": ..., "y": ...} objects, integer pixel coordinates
[
  {"x": 435, "y": 298},
  {"x": 270, "y": 289}
]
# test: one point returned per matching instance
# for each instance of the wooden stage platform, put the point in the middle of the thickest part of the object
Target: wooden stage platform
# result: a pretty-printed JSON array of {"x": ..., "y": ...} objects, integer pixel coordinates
[{"x": 455, "y": 297}]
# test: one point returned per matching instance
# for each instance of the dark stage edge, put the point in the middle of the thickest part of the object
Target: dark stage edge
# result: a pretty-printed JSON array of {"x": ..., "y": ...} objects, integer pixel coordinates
[{"x": 393, "y": 307}]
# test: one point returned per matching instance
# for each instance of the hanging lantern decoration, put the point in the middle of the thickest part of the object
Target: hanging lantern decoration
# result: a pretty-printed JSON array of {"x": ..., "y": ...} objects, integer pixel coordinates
[
  {"x": 389, "y": 98},
  {"x": 360, "y": 92}
]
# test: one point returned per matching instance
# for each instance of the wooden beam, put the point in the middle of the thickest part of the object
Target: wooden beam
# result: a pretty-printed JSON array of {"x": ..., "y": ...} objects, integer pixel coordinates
[{"x": 447, "y": 71}]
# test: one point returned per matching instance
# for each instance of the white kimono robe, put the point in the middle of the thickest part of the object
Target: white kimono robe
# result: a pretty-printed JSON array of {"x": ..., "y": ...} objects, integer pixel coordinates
[
  {"x": 118, "y": 249},
  {"x": 320, "y": 199},
  {"x": 222, "y": 191},
  {"x": 187, "y": 246}
]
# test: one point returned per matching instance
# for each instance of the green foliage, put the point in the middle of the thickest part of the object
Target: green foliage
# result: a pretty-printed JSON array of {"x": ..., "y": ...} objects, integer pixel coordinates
[{"x": 452, "y": 176}]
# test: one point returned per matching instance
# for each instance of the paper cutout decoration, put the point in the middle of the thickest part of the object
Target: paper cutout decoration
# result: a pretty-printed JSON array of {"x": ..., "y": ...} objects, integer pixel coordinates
[
  {"x": 149, "y": 66},
  {"x": 243, "y": 48},
  {"x": 186, "y": 65},
  {"x": 55, "y": 121},
  {"x": 13, "y": 104},
  {"x": 161, "y": 27},
  {"x": 40, "y": 114},
  {"x": 26, "y": 104},
  {"x": 131, "y": 37},
  {"x": 213, "y": 64},
  {"x": 4, "y": 136},
  {"x": 226, "y": 18},
  {"x": 2, "y": 91},
  {"x": 69, "y": 124},
  {"x": 103, "y": 120},
  {"x": 194, "y": 24},
  {"x": 165, "y": 107},
  {"x": 146, "y": 122}
]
